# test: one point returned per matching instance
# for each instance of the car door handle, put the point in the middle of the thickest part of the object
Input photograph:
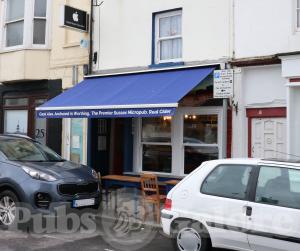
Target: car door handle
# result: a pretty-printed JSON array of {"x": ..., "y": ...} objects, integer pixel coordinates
[{"x": 248, "y": 211}]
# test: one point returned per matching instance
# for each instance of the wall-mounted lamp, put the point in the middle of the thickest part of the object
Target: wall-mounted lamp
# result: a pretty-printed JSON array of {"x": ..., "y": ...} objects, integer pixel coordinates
[{"x": 235, "y": 106}]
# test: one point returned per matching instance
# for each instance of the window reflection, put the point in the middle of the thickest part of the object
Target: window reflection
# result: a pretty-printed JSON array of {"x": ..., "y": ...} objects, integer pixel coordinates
[
  {"x": 200, "y": 140},
  {"x": 156, "y": 129},
  {"x": 195, "y": 155},
  {"x": 157, "y": 158},
  {"x": 200, "y": 129},
  {"x": 156, "y": 140}
]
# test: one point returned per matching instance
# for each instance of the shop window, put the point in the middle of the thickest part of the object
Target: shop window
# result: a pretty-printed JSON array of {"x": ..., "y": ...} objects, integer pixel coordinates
[
  {"x": 16, "y": 102},
  {"x": 168, "y": 36},
  {"x": 16, "y": 121},
  {"x": 76, "y": 148},
  {"x": 156, "y": 144},
  {"x": 14, "y": 22},
  {"x": 20, "y": 117},
  {"x": 200, "y": 140}
]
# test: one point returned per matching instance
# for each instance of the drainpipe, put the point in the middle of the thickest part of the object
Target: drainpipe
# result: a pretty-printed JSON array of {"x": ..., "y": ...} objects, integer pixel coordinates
[
  {"x": 224, "y": 122},
  {"x": 91, "y": 39}
]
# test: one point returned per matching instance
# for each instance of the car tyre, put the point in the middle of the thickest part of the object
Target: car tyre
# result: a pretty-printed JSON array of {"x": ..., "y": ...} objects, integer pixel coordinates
[
  {"x": 8, "y": 206},
  {"x": 190, "y": 236}
]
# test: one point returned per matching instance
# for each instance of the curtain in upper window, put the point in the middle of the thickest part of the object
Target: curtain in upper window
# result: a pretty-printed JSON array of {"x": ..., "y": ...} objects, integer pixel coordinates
[{"x": 169, "y": 40}]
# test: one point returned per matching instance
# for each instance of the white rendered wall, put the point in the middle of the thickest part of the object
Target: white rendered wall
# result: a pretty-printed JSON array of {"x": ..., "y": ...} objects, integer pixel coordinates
[
  {"x": 261, "y": 86},
  {"x": 265, "y": 27},
  {"x": 294, "y": 122},
  {"x": 126, "y": 31}
]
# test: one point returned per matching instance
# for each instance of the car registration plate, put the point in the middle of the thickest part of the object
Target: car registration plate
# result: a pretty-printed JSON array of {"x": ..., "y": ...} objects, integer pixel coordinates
[{"x": 83, "y": 203}]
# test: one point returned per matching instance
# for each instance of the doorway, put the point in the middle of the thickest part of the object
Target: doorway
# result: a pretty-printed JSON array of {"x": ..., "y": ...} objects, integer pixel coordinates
[
  {"x": 100, "y": 145},
  {"x": 268, "y": 138}
]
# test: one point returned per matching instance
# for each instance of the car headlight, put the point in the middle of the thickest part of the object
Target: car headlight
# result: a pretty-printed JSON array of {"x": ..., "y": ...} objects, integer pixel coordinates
[
  {"x": 95, "y": 174},
  {"x": 35, "y": 174}
]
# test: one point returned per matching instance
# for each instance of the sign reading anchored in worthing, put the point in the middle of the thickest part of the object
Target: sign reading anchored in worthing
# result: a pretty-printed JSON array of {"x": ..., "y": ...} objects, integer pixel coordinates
[
  {"x": 74, "y": 18},
  {"x": 223, "y": 83}
]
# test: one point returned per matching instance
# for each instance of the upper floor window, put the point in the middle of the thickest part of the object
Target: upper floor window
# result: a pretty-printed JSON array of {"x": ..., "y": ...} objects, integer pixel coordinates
[
  {"x": 39, "y": 22},
  {"x": 298, "y": 14},
  {"x": 168, "y": 36},
  {"x": 24, "y": 24},
  {"x": 14, "y": 22}
]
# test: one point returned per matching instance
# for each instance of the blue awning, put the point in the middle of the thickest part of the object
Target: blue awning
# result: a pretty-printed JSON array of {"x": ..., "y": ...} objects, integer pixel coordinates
[{"x": 147, "y": 94}]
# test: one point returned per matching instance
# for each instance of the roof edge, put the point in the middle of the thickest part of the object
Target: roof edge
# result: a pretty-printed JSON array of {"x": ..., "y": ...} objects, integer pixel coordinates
[{"x": 183, "y": 67}]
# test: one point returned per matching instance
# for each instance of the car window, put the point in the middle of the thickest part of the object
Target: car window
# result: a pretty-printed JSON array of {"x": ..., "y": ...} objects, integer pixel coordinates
[
  {"x": 278, "y": 186},
  {"x": 228, "y": 181},
  {"x": 16, "y": 149}
]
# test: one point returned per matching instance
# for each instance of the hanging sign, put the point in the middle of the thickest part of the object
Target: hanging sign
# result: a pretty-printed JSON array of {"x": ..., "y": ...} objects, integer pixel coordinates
[
  {"x": 74, "y": 18},
  {"x": 223, "y": 83}
]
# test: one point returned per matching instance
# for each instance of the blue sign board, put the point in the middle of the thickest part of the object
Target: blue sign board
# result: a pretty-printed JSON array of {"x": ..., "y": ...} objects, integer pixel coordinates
[{"x": 108, "y": 113}]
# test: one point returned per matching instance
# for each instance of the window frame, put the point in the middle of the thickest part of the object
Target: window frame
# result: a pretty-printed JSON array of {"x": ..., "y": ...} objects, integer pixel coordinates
[
  {"x": 28, "y": 28},
  {"x": 249, "y": 185},
  {"x": 4, "y": 25},
  {"x": 176, "y": 139},
  {"x": 297, "y": 15},
  {"x": 45, "y": 18},
  {"x": 157, "y": 39},
  {"x": 155, "y": 143},
  {"x": 30, "y": 107},
  {"x": 253, "y": 195},
  {"x": 189, "y": 144}
]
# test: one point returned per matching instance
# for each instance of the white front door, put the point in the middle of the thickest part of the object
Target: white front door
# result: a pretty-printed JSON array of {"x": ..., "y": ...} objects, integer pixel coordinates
[{"x": 268, "y": 138}]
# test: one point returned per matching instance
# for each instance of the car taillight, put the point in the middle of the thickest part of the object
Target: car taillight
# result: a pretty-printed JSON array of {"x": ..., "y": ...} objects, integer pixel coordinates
[{"x": 168, "y": 204}]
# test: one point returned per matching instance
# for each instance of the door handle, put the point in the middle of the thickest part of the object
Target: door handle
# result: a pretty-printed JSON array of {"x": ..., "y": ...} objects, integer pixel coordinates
[{"x": 248, "y": 211}]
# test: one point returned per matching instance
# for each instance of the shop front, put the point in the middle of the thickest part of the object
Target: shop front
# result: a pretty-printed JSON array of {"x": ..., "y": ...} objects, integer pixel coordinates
[
  {"x": 17, "y": 113},
  {"x": 165, "y": 122}
]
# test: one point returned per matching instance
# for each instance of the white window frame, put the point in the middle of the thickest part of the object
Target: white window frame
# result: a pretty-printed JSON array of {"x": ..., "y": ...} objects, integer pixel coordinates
[
  {"x": 177, "y": 144},
  {"x": 28, "y": 28},
  {"x": 47, "y": 33},
  {"x": 158, "y": 39},
  {"x": 4, "y": 29},
  {"x": 297, "y": 15}
]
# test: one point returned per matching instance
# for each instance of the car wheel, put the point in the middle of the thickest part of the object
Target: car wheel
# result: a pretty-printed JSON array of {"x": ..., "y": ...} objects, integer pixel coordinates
[
  {"x": 8, "y": 207},
  {"x": 190, "y": 236}
]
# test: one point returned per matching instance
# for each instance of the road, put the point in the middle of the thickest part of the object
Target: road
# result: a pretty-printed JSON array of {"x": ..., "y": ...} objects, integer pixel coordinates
[{"x": 10, "y": 241}]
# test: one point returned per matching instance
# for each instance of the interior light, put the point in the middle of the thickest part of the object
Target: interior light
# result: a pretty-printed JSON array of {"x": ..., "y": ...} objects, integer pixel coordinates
[{"x": 167, "y": 118}]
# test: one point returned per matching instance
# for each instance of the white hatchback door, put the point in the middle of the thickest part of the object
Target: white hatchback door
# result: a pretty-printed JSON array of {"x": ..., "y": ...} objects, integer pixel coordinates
[{"x": 275, "y": 221}]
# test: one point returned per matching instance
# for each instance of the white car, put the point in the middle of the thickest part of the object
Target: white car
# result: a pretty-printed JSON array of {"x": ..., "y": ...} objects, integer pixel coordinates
[{"x": 237, "y": 204}]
